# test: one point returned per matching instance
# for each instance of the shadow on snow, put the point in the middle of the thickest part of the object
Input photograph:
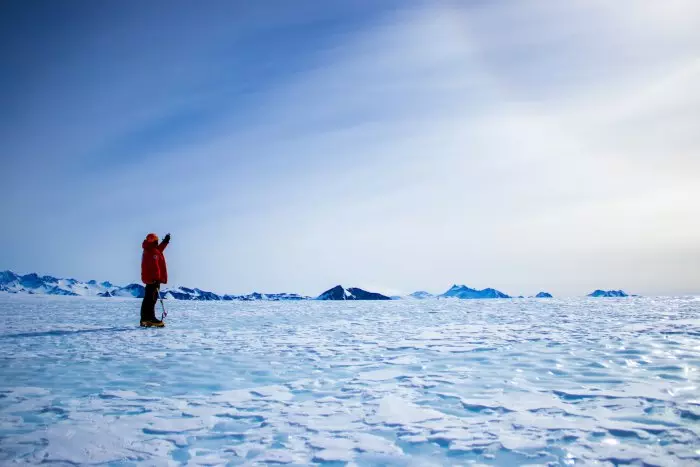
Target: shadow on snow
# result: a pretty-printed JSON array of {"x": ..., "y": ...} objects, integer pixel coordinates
[{"x": 65, "y": 332}]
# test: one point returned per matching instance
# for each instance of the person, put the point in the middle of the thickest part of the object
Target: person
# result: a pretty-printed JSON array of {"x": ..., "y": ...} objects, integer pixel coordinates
[{"x": 153, "y": 273}]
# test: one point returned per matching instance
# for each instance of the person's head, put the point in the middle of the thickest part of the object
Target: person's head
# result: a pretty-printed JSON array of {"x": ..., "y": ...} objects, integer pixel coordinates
[{"x": 152, "y": 238}]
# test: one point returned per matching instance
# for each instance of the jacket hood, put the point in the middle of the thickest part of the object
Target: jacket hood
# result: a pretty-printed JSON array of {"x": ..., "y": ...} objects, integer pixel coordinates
[{"x": 148, "y": 245}]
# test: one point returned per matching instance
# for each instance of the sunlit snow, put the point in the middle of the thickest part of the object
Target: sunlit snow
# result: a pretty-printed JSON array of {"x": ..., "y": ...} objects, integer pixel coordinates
[{"x": 433, "y": 382}]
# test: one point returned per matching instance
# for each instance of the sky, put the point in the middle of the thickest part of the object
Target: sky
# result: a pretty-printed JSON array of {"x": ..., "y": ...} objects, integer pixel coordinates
[{"x": 394, "y": 145}]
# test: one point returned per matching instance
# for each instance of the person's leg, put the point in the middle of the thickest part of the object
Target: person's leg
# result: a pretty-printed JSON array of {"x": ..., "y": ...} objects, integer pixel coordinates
[
  {"x": 148, "y": 306},
  {"x": 144, "y": 306},
  {"x": 155, "y": 296}
]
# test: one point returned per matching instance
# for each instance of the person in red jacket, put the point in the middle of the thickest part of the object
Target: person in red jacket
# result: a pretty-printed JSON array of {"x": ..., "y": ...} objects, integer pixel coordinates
[{"x": 153, "y": 273}]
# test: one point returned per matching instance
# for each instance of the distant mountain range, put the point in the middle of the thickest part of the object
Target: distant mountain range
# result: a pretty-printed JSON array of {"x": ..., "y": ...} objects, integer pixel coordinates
[
  {"x": 11, "y": 282},
  {"x": 49, "y": 285}
]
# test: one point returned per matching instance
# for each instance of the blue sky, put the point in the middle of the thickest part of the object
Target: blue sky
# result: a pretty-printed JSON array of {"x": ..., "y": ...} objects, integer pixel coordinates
[{"x": 292, "y": 146}]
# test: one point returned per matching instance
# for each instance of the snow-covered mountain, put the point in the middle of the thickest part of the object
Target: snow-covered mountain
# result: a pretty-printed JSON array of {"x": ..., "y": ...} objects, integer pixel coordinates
[
  {"x": 185, "y": 293},
  {"x": 131, "y": 290},
  {"x": 608, "y": 293},
  {"x": 421, "y": 295},
  {"x": 48, "y": 285},
  {"x": 353, "y": 293},
  {"x": 272, "y": 296},
  {"x": 464, "y": 292}
]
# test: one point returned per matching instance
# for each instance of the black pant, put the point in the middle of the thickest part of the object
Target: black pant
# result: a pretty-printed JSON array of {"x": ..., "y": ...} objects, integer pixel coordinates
[{"x": 148, "y": 306}]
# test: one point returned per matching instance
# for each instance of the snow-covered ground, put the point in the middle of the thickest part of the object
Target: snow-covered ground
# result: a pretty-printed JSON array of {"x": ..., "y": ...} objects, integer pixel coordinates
[{"x": 437, "y": 382}]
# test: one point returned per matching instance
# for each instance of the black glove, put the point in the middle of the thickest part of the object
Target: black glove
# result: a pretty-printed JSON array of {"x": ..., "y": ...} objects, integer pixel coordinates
[{"x": 166, "y": 239}]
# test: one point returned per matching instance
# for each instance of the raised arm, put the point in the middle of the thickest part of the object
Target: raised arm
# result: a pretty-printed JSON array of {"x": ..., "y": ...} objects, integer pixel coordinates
[{"x": 164, "y": 243}]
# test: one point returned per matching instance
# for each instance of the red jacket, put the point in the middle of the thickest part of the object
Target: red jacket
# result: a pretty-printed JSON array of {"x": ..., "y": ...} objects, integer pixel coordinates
[{"x": 153, "y": 268}]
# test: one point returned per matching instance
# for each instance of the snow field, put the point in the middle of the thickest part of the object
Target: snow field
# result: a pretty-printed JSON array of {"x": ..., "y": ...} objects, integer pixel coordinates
[{"x": 437, "y": 382}]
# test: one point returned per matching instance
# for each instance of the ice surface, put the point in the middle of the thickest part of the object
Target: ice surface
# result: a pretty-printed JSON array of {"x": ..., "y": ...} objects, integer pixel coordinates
[{"x": 497, "y": 382}]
